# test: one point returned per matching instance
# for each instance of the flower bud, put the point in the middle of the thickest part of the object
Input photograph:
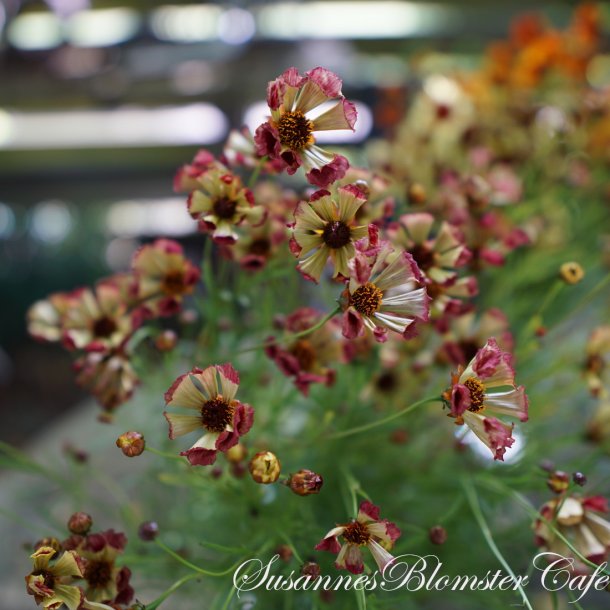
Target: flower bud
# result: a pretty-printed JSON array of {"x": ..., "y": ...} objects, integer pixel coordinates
[
  {"x": 311, "y": 568},
  {"x": 80, "y": 523},
  {"x": 305, "y": 482},
  {"x": 51, "y": 541},
  {"x": 131, "y": 443},
  {"x": 148, "y": 531},
  {"x": 237, "y": 453},
  {"x": 284, "y": 552},
  {"x": 579, "y": 478},
  {"x": 571, "y": 273},
  {"x": 558, "y": 481},
  {"x": 438, "y": 535},
  {"x": 265, "y": 467},
  {"x": 417, "y": 194},
  {"x": 166, "y": 341}
]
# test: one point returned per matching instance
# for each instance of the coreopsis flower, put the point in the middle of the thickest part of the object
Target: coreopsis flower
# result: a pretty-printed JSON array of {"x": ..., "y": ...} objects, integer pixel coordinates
[
  {"x": 265, "y": 467},
  {"x": 597, "y": 352},
  {"x": 220, "y": 202},
  {"x": 163, "y": 277},
  {"x": 324, "y": 228},
  {"x": 105, "y": 582},
  {"x": 45, "y": 317},
  {"x": 468, "y": 333},
  {"x": 383, "y": 294},
  {"x": 579, "y": 520},
  {"x": 288, "y": 135},
  {"x": 99, "y": 319},
  {"x": 307, "y": 359},
  {"x": 211, "y": 393},
  {"x": 50, "y": 581},
  {"x": 109, "y": 376},
  {"x": 487, "y": 386},
  {"x": 367, "y": 529},
  {"x": 185, "y": 179},
  {"x": 437, "y": 254}
]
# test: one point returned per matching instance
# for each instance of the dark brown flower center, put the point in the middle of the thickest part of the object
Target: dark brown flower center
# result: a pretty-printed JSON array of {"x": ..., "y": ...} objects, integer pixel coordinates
[
  {"x": 477, "y": 394},
  {"x": 386, "y": 382},
  {"x": 423, "y": 256},
  {"x": 336, "y": 234},
  {"x": 366, "y": 299},
  {"x": 173, "y": 283},
  {"x": 304, "y": 352},
  {"x": 595, "y": 364},
  {"x": 217, "y": 414},
  {"x": 49, "y": 579},
  {"x": 224, "y": 208},
  {"x": 295, "y": 130},
  {"x": 357, "y": 533},
  {"x": 104, "y": 327},
  {"x": 98, "y": 573},
  {"x": 469, "y": 349},
  {"x": 260, "y": 247}
]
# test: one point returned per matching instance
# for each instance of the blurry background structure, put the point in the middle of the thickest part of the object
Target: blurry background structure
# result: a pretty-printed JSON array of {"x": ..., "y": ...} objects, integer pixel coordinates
[{"x": 101, "y": 100}]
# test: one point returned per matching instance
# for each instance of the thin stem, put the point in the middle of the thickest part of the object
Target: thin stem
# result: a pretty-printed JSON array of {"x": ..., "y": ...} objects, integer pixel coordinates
[
  {"x": 165, "y": 454},
  {"x": 157, "y": 602},
  {"x": 471, "y": 495},
  {"x": 192, "y": 566},
  {"x": 256, "y": 172},
  {"x": 381, "y": 422}
]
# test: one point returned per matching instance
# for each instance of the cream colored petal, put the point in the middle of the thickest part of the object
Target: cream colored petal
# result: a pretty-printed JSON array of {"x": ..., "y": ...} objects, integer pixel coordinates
[
  {"x": 333, "y": 118},
  {"x": 314, "y": 264},
  {"x": 183, "y": 424},
  {"x": 199, "y": 203}
]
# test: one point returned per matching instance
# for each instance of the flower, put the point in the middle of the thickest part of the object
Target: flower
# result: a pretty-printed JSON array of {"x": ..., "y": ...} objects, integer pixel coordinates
[
  {"x": 308, "y": 359},
  {"x": 49, "y": 581},
  {"x": 99, "y": 319},
  {"x": 367, "y": 529},
  {"x": 288, "y": 135},
  {"x": 469, "y": 398},
  {"x": 383, "y": 295},
  {"x": 222, "y": 418},
  {"x": 597, "y": 351},
  {"x": 163, "y": 277},
  {"x": 578, "y": 520},
  {"x": 324, "y": 227},
  {"x": 220, "y": 202},
  {"x": 109, "y": 376},
  {"x": 105, "y": 581}
]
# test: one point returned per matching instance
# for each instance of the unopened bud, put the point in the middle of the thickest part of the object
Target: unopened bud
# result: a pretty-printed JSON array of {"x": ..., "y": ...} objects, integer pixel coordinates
[
  {"x": 148, "y": 531},
  {"x": 311, "y": 568},
  {"x": 131, "y": 443},
  {"x": 558, "y": 481},
  {"x": 80, "y": 523},
  {"x": 571, "y": 273},
  {"x": 284, "y": 552},
  {"x": 166, "y": 341},
  {"x": 265, "y": 467},
  {"x": 417, "y": 194},
  {"x": 305, "y": 482},
  {"x": 579, "y": 478},
  {"x": 438, "y": 535}
]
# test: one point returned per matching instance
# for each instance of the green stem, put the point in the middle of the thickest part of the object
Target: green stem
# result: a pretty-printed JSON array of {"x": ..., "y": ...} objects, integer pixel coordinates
[
  {"x": 165, "y": 454},
  {"x": 471, "y": 495},
  {"x": 256, "y": 173},
  {"x": 194, "y": 567},
  {"x": 381, "y": 422},
  {"x": 292, "y": 337},
  {"x": 155, "y": 604}
]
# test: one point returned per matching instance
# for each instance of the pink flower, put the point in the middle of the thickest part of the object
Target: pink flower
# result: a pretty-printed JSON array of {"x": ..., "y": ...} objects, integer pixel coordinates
[
  {"x": 325, "y": 228},
  {"x": 470, "y": 400},
  {"x": 383, "y": 294},
  {"x": 221, "y": 202},
  {"x": 185, "y": 179},
  {"x": 367, "y": 529},
  {"x": 211, "y": 393},
  {"x": 163, "y": 277},
  {"x": 288, "y": 135}
]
